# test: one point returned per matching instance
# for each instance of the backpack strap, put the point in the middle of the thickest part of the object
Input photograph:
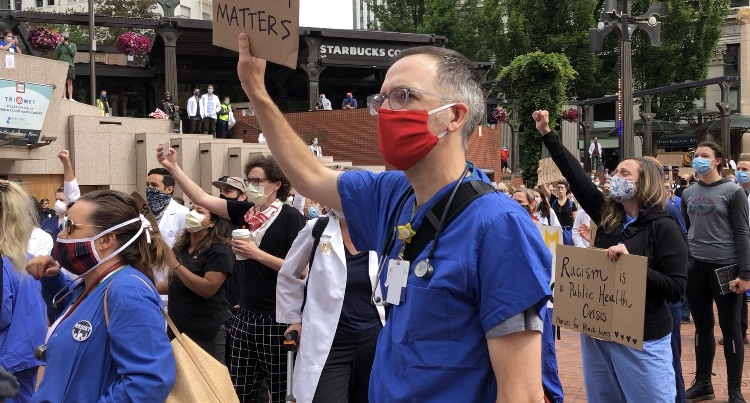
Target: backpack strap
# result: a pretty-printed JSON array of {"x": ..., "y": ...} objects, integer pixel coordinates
[
  {"x": 317, "y": 232},
  {"x": 466, "y": 194}
]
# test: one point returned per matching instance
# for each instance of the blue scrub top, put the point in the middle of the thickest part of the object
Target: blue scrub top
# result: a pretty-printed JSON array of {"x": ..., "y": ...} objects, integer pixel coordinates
[
  {"x": 128, "y": 361},
  {"x": 490, "y": 264}
]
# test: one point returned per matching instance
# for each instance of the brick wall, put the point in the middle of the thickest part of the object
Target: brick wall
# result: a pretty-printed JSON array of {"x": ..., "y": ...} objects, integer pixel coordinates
[{"x": 351, "y": 135}]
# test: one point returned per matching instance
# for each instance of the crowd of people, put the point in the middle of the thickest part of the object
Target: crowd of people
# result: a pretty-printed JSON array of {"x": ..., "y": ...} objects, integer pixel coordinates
[{"x": 426, "y": 283}]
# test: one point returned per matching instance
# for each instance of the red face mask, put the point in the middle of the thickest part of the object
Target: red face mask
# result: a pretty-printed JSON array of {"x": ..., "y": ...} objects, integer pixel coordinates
[{"x": 404, "y": 136}]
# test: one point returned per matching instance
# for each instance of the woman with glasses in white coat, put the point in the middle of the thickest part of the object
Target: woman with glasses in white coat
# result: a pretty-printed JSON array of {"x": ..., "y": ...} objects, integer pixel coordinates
[{"x": 339, "y": 326}]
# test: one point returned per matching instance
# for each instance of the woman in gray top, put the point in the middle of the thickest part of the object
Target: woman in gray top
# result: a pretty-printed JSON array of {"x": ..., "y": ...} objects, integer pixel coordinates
[{"x": 716, "y": 215}]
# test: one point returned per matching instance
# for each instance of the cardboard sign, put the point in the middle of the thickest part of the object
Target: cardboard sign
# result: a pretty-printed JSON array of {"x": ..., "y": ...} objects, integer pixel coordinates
[
  {"x": 599, "y": 297},
  {"x": 552, "y": 236},
  {"x": 671, "y": 160},
  {"x": 272, "y": 27},
  {"x": 549, "y": 172}
]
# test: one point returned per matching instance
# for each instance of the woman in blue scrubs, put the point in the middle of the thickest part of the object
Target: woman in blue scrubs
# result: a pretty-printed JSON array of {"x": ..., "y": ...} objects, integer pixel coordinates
[{"x": 126, "y": 358}]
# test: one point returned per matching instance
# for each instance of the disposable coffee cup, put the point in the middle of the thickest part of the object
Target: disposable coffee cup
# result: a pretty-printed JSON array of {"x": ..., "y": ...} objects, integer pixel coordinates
[{"x": 241, "y": 235}]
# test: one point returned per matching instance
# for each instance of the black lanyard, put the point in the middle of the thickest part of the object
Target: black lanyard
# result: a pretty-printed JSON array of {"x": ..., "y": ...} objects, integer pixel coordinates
[{"x": 391, "y": 239}]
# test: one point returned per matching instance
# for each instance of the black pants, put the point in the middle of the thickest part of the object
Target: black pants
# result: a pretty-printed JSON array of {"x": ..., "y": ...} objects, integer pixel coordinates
[
  {"x": 702, "y": 292},
  {"x": 221, "y": 129},
  {"x": 196, "y": 124},
  {"x": 257, "y": 355},
  {"x": 209, "y": 126},
  {"x": 216, "y": 346},
  {"x": 743, "y": 315},
  {"x": 176, "y": 121},
  {"x": 346, "y": 375}
]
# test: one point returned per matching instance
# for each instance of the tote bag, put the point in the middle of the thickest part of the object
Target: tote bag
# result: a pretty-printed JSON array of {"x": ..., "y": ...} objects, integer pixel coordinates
[{"x": 199, "y": 377}]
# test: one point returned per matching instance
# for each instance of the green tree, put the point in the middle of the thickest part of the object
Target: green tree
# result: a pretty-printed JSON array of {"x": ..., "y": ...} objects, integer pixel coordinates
[
  {"x": 470, "y": 28},
  {"x": 557, "y": 26},
  {"x": 689, "y": 36},
  {"x": 536, "y": 81}
]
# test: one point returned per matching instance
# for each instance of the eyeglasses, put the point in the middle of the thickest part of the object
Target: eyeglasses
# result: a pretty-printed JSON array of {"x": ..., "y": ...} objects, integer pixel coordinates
[
  {"x": 397, "y": 99},
  {"x": 503, "y": 191},
  {"x": 253, "y": 181},
  {"x": 69, "y": 225}
]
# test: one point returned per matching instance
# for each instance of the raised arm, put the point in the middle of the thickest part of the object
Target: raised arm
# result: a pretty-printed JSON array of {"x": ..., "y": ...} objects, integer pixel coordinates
[
  {"x": 194, "y": 192},
  {"x": 309, "y": 176},
  {"x": 583, "y": 189},
  {"x": 70, "y": 185},
  {"x": 542, "y": 187}
]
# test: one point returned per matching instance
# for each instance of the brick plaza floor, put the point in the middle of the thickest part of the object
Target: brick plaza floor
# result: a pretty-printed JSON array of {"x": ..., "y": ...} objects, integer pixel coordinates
[{"x": 571, "y": 374}]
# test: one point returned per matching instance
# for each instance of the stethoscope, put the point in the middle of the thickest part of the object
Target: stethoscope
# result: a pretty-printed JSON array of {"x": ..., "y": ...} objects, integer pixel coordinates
[{"x": 423, "y": 268}]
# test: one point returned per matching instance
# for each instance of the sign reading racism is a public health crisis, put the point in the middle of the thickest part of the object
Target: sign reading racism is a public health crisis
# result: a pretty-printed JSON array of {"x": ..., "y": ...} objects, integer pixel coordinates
[
  {"x": 599, "y": 297},
  {"x": 23, "y": 107},
  {"x": 272, "y": 27}
]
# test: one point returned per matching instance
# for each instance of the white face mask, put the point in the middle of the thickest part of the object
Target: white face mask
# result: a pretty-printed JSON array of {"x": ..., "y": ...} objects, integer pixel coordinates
[
  {"x": 538, "y": 200},
  {"x": 194, "y": 221},
  {"x": 60, "y": 207},
  {"x": 257, "y": 194}
]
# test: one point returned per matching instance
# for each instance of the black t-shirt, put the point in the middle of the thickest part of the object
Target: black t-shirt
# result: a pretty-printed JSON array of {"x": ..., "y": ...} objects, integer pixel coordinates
[
  {"x": 234, "y": 282},
  {"x": 194, "y": 315},
  {"x": 359, "y": 318},
  {"x": 564, "y": 213},
  {"x": 678, "y": 191},
  {"x": 259, "y": 286}
]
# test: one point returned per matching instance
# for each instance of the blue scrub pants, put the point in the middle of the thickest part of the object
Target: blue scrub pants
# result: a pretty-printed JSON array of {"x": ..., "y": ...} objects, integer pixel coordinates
[
  {"x": 676, "y": 309},
  {"x": 614, "y": 373},
  {"x": 550, "y": 377}
]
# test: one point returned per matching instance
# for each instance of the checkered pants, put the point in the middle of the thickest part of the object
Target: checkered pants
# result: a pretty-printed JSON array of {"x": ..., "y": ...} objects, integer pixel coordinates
[{"x": 257, "y": 352}]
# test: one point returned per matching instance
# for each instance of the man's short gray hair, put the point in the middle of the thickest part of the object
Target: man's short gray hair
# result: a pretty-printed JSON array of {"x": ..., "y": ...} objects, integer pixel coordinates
[{"x": 456, "y": 78}]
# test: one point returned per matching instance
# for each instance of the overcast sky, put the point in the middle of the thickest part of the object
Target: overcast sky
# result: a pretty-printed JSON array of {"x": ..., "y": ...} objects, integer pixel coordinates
[{"x": 326, "y": 14}]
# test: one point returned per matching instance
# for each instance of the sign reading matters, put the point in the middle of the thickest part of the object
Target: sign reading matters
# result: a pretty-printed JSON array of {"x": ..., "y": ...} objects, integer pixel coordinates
[
  {"x": 23, "y": 107},
  {"x": 272, "y": 27},
  {"x": 599, "y": 297}
]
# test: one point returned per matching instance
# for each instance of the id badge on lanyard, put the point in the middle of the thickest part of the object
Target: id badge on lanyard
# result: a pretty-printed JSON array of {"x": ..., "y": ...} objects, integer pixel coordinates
[{"x": 395, "y": 281}]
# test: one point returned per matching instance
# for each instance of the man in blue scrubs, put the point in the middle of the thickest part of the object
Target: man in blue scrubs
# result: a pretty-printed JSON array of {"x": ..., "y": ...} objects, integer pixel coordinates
[{"x": 471, "y": 332}]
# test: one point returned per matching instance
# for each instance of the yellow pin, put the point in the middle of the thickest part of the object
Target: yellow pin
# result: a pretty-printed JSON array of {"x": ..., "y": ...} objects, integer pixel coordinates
[{"x": 405, "y": 233}]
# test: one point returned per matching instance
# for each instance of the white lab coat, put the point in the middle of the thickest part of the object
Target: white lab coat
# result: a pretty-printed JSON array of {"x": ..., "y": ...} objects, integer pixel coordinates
[
  {"x": 204, "y": 103},
  {"x": 192, "y": 107},
  {"x": 172, "y": 222},
  {"x": 317, "y": 150},
  {"x": 599, "y": 146},
  {"x": 581, "y": 218},
  {"x": 325, "y": 298},
  {"x": 40, "y": 243}
]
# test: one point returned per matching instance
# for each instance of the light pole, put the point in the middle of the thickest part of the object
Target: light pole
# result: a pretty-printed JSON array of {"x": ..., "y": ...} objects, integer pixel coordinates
[
  {"x": 92, "y": 53},
  {"x": 617, "y": 17}
]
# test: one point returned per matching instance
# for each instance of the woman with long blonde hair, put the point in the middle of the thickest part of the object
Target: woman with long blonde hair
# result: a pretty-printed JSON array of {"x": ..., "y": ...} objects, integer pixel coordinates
[
  {"x": 22, "y": 315},
  {"x": 631, "y": 219},
  {"x": 16, "y": 223}
]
